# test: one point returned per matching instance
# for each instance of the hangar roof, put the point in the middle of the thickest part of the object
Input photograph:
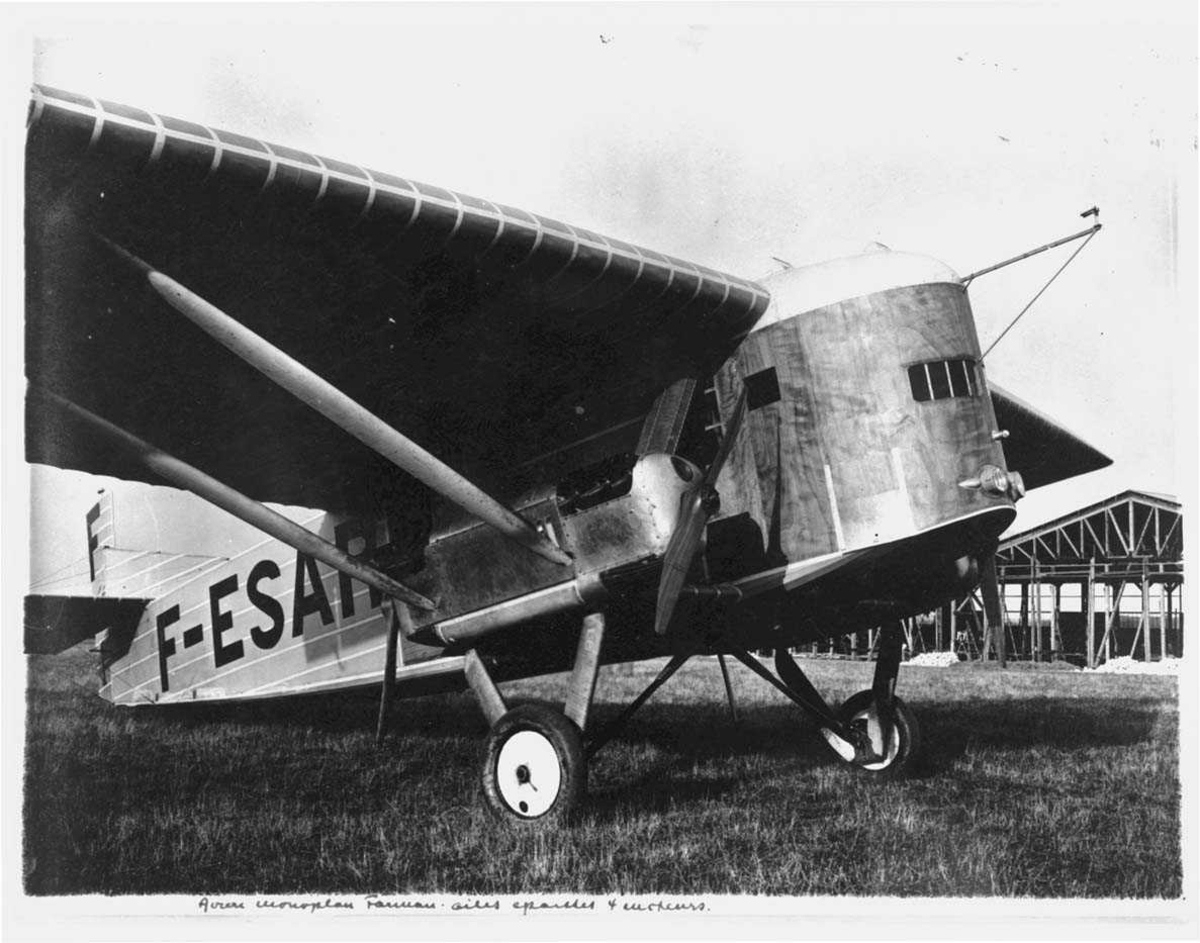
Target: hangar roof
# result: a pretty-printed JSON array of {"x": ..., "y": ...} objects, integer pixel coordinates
[{"x": 1132, "y": 529}]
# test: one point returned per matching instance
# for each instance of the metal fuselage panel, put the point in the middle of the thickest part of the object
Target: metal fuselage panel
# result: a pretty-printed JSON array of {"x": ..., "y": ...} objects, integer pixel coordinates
[
  {"x": 272, "y": 621},
  {"x": 845, "y": 459},
  {"x": 268, "y": 621}
]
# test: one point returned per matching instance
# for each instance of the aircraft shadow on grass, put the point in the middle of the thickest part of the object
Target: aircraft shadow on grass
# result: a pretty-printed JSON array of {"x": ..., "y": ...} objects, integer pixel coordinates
[
  {"x": 1065, "y": 724},
  {"x": 705, "y": 731}
]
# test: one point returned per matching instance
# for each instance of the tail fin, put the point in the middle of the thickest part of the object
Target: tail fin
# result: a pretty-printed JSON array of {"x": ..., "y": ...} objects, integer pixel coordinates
[
  {"x": 125, "y": 572},
  {"x": 123, "y": 581},
  {"x": 101, "y": 525}
]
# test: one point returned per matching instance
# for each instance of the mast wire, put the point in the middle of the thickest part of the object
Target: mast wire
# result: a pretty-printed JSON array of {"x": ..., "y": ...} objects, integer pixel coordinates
[{"x": 1012, "y": 323}]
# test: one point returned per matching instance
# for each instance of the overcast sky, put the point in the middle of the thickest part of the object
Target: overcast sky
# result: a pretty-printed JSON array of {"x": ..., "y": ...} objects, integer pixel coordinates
[{"x": 728, "y": 135}]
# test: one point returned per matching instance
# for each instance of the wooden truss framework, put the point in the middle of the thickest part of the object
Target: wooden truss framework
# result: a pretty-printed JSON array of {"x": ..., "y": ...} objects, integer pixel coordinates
[{"x": 1132, "y": 538}]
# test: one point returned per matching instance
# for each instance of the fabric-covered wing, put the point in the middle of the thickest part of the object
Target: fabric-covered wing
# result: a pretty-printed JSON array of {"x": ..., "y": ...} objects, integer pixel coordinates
[
  {"x": 488, "y": 334},
  {"x": 1038, "y": 447}
]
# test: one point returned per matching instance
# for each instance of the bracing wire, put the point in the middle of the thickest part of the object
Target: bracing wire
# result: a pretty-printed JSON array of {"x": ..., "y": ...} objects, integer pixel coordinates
[
  {"x": 50, "y": 577},
  {"x": 1012, "y": 323}
]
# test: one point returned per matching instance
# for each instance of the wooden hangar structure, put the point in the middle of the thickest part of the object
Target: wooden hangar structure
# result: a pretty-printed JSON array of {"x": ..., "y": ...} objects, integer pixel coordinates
[{"x": 1098, "y": 559}]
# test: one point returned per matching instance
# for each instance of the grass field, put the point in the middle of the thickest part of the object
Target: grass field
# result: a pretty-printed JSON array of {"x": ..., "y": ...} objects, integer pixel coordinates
[{"x": 1033, "y": 783}]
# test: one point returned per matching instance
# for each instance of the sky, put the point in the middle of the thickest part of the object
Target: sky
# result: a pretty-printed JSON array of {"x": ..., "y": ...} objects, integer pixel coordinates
[{"x": 732, "y": 134}]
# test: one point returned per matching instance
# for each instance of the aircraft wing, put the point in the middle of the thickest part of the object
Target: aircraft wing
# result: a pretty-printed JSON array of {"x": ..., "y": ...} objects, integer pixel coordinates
[
  {"x": 1038, "y": 447},
  {"x": 488, "y": 334}
]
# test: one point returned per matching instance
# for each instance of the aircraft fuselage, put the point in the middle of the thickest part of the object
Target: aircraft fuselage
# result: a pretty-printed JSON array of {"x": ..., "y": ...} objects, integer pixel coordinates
[{"x": 842, "y": 504}]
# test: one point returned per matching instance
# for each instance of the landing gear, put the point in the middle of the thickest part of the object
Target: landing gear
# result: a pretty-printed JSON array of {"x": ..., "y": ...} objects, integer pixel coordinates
[
  {"x": 883, "y": 734},
  {"x": 874, "y": 730},
  {"x": 534, "y": 772},
  {"x": 890, "y": 756}
]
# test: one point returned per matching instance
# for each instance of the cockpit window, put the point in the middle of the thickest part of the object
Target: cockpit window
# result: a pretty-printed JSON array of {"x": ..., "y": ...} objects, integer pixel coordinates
[{"x": 942, "y": 379}]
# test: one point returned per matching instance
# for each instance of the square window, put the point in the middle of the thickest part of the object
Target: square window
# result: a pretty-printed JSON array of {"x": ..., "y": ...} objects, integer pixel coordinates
[{"x": 762, "y": 388}]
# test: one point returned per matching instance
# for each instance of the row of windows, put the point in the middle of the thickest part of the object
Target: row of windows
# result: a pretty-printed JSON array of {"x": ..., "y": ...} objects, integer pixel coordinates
[{"x": 942, "y": 379}]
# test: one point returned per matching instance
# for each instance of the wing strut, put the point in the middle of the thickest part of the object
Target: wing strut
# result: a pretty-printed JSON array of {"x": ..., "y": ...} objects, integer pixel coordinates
[
  {"x": 336, "y": 406},
  {"x": 273, "y": 523}
]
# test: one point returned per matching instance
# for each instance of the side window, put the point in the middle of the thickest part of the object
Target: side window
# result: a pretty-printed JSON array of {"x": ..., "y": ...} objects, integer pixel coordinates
[{"x": 942, "y": 379}]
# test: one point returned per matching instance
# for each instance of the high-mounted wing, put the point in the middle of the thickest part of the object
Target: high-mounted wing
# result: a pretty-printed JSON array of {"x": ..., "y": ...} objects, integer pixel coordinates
[
  {"x": 1038, "y": 447},
  {"x": 488, "y": 334}
]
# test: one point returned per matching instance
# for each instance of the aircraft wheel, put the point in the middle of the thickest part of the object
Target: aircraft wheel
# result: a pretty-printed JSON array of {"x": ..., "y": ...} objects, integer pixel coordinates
[
  {"x": 901, "y": 748},
  {"x": 534, "y": 770}
]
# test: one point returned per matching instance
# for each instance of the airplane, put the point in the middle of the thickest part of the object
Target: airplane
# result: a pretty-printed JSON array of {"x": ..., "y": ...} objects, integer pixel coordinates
[{"x": 535, "y": 448}]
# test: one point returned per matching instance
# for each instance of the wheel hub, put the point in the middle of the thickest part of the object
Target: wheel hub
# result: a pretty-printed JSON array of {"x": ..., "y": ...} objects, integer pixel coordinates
[
  {"x": 865, "y": 746},
  {"x": 872, "y": 732},
  {"x": 528, "y": 773}
]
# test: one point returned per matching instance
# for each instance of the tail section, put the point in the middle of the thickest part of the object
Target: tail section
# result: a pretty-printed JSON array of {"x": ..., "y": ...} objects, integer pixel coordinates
[
  {"x": 101, "y": 525},
  {"x": 55, "y": 623},
  {"x": 125, "y": 571},
  {"x": 123, "y": 582}
]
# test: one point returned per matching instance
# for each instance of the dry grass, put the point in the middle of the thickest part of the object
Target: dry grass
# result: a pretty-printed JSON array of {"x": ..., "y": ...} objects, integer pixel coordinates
[{"x": 1033, "y": 783}]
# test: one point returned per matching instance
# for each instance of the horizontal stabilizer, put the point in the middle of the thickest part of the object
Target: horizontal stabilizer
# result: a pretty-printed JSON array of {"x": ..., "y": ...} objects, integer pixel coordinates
[
  {"x": 55, "y": 623},
  {"x": 1038, "y": 447}
]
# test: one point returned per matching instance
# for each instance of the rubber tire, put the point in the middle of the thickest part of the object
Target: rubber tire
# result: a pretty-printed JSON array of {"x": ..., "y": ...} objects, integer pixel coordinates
[
  {"x": 906, "y": 724},
  {"x": 567, "y": 742}
]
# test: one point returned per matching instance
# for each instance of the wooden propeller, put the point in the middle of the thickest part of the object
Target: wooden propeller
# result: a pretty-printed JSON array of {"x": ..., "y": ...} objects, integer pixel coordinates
[{"x": 697, "y": 506}]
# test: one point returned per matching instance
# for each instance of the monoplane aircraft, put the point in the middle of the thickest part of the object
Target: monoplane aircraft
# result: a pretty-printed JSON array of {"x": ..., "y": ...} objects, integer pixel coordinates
[{"x": 535, "y": 448}]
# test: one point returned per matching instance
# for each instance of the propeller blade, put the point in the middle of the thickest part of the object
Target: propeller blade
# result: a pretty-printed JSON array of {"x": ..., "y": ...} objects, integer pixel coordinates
[
  {"x": 697, "y": 506},
  {"x": 681, "y": 549}
]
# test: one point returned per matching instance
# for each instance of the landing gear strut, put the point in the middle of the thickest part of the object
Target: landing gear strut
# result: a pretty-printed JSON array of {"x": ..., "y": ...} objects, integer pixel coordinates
[
  {"x": 534, "y": 771},
  {"x": 873, "y": 730}
]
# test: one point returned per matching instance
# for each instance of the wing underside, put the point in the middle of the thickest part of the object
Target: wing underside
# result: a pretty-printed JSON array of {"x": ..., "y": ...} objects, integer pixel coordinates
[
  {"x": 488, "y": 334},
  {"x": 1039, "y": 448}
]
